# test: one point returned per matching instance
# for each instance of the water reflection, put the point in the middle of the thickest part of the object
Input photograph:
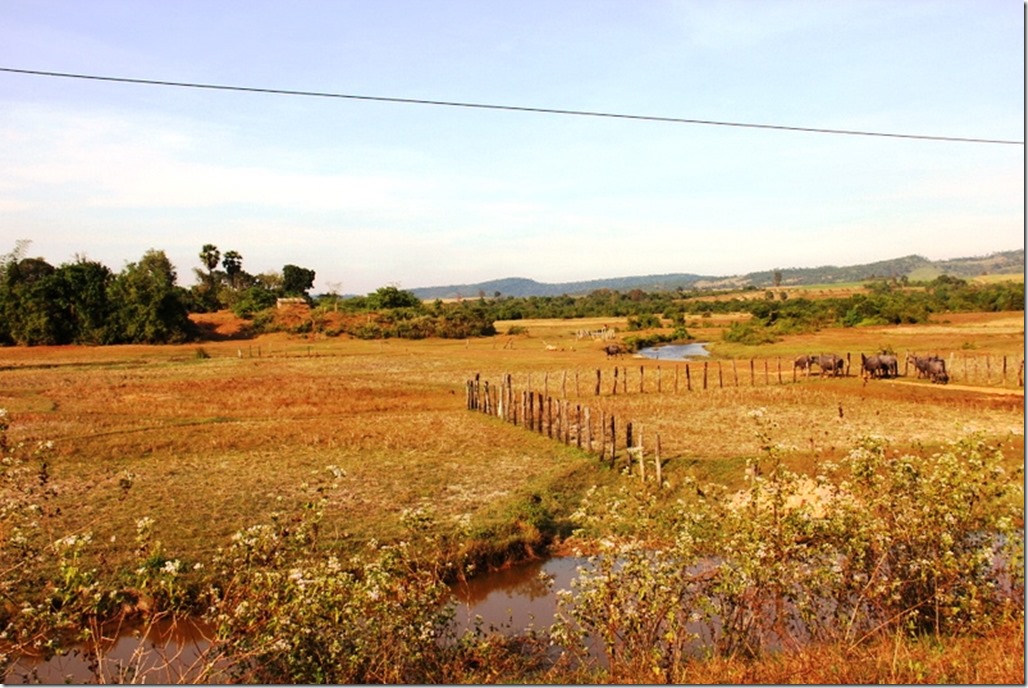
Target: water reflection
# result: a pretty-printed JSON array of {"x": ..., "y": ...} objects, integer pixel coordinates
[
  {"x": 163, "y": 652},
  {"x": 676, "y": 352},
  {"x": 515, "y": 599}
]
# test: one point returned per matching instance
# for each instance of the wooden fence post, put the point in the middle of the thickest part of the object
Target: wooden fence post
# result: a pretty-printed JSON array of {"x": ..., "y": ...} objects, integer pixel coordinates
[
  {"x": 658, "y": 378},
  {"x": 598, "y": 375},
  {"x": 720, "y": 376},
  {"x": 613, "y": 440},
  {"x": 615, "y": 380},
  {"x": 642, "y": 462},
  {"x": 588, "y": 430},
  {"x": 779, "y": 370},
  {"x": 753, "y": 378},
  {"x": 735, "y": 373},
  {"x": 688, "y": 379},
  {"x": 642, "y": 377},
  {"x": 656, "y": 462}
]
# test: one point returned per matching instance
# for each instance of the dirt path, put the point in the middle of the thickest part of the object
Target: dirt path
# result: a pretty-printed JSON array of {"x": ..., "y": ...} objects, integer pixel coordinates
[{"x": 967, "y": 388}]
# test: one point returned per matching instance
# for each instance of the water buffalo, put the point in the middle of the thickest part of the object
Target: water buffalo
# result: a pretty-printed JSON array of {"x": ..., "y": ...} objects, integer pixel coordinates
[
  {"x": 931, "y": 367},
  {"x": 803, "y": 363},
  {"x": 891, "y": 364},
  {"x": 830, "y": 364},
  {"x": 937, "y": 371},
  {"x": 615, "y": 350},
  {"x": 872, "y": 366}
]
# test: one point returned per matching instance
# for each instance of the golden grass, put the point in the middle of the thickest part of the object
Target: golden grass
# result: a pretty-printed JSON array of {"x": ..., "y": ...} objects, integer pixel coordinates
[{"x": 222, "y": 442}]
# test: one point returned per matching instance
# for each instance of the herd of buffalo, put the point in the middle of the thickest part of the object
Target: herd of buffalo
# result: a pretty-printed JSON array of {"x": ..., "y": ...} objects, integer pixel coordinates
[
  {"x": 830, "y": 365},
  {"x": 877, "y": 366}
]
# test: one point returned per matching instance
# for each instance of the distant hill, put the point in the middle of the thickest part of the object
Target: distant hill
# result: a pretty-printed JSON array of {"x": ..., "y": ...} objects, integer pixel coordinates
[{"x": 913, "y": 267}]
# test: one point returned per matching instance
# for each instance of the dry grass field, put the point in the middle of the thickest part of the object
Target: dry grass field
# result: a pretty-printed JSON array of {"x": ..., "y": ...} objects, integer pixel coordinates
[
  {"x": 209, "y": 438},
  {"x": 227, "y": 433}
]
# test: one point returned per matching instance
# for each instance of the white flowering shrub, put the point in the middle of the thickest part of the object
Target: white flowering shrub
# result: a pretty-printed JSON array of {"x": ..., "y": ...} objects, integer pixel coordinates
[
  {"x": 285, "y": 613},
  {"x": 914, "y": 543}
]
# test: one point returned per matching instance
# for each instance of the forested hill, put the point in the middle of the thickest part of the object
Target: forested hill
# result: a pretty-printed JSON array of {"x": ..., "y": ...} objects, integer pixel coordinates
[{"x": 912, "y": 267}]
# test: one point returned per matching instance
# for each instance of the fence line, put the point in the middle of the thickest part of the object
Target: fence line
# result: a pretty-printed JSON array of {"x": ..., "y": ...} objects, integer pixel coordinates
[
  {"x": 963, "y": 368},
  {"x": 557, "y": 419}
]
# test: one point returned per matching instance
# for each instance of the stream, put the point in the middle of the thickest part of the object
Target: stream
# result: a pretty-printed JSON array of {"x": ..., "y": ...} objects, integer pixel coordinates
[{"x": 676, "y": 352}]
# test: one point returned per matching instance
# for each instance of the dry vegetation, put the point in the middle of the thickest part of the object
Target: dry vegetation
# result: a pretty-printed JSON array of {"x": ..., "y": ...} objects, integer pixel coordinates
[
  {"x": 221, "y": 438},
  {"x": 222, "y": 435}
]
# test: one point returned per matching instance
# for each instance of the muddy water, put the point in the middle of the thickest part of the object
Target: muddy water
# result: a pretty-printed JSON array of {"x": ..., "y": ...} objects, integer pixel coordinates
[
  {"x": 161, "y": 653},
  {"x": 509, "y": 601},
  {"x": 515, "y": 599},
  {"x": 676, "y": 352}
]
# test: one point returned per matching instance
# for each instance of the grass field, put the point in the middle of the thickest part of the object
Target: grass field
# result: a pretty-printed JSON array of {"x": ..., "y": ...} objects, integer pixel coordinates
[
  {"x": 207, "y": 439},
  {"x": 227, "y": 433}
]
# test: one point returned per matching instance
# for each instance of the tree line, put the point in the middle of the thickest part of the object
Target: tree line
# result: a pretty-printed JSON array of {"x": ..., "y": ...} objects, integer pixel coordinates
[{"x": 85, "y": 302}]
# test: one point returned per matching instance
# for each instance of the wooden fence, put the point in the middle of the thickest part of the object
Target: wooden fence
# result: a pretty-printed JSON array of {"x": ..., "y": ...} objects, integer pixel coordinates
[
  {"x": 573, "y": 424},
  {"x": 963, "y": 368}
]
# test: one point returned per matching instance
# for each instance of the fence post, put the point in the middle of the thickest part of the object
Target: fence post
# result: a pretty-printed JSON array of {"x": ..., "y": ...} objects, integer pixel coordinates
[
  {"x": 615, "y": 380},
  {"x": 688, "y": 379},
  {"x": 603, "y": 435},
  {"x": 779, "y": 370},
  {"x": 656, "y": 462},
  {"x": 705, "y": 375},
  {"x": 588, "y": 430},
  {"x": 735, "y": 373},
  {"x": 642, "y": 462},
  {"x": 720, "y": 376},
  {"x": 613, "y": 440},
  {"x": 642, "y": 376},
  {"x": 753, "y": 378}
]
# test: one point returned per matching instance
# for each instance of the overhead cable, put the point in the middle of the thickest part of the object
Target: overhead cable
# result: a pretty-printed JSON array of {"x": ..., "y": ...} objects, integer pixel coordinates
[{"x": 510, "y": 108}]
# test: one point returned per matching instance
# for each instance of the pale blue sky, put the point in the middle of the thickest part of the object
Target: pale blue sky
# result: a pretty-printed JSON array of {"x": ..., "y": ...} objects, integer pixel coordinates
[{"x": 370, "y": 193}]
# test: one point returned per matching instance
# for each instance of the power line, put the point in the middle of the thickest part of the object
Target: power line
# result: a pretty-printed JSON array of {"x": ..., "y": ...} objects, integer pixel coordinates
[{"x": 509, "y": 108}]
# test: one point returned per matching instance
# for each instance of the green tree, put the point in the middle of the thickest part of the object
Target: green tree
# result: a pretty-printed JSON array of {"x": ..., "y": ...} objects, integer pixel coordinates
[
  {"x": 233, "y": 264},
  {"x": 84, "y": 298},
  {"x": 31, "y": 304},
  {"x": 296, "y": 281},
  {"x": 393, "y": 297},
  {"x": 150, "y": 309}
]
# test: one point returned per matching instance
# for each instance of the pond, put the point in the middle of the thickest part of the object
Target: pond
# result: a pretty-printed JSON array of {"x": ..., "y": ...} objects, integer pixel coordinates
[
  {"x": 509, "y": 601},
  {"x": 517, "y": 598},
  {"x": 676, "y": 352}
]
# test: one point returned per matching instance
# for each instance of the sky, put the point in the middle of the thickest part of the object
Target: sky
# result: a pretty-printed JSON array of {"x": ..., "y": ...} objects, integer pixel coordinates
[{"x": 369, "y": 193}]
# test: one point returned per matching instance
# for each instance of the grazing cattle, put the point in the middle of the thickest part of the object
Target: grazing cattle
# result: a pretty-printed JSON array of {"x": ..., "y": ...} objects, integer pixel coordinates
[
  {"x": 879, "y": 365},
  {"x": 871, "y": 366},
  {"x": 830, "y": 364},
  {"x": 891, "y": 365},
  {"x": 931, "y": 367},
  {"x": 803, "y": 363},
  {"x": 615, "y": 350},
  {"x": 920, "y": 364},
  {"x": 937, "y": 371}
]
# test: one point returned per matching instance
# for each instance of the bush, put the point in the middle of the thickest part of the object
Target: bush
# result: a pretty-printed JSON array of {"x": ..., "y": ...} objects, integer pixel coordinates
[{"x": 876, "y": 545}]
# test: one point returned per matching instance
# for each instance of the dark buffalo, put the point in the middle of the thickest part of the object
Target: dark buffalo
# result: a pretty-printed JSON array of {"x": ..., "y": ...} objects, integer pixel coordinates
[
  {"x": 803, "y": 363},
  {"x": 872, "y": 366},
  {"x": 830, "y": 364},
  {"x": 937, "y": 371},
  {"x": 615, "y": 350},
  {"x": 931, "y": 367},
  {"x": 891, "y": 364}
]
